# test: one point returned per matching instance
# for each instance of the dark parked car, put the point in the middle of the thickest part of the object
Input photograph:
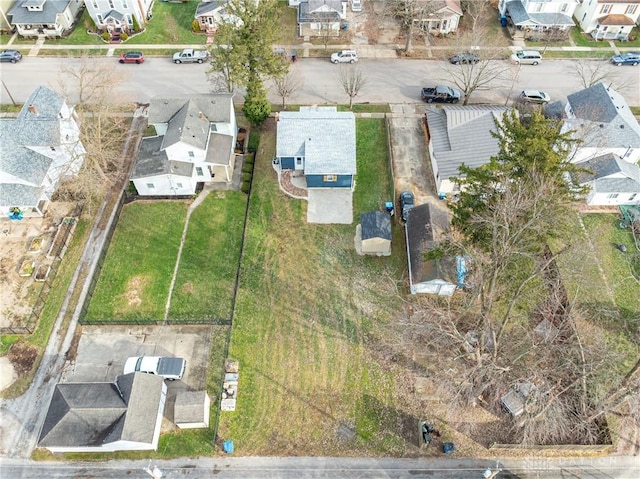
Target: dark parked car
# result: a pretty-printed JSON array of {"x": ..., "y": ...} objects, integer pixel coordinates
[
  {"x": 407, "y": 201},
  {"x": 131, "y": 57},
  {"x": 466, "y": 57},
  {"x": 534, "y": 96},
  {"x": 12, "y": 56},
  {"x": 441, "y": 94},
  {"x": 629, "y": 58}
]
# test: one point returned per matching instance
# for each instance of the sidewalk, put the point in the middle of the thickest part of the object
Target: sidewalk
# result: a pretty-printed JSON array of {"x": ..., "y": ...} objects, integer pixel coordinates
[{"x": 364, "y": 51}]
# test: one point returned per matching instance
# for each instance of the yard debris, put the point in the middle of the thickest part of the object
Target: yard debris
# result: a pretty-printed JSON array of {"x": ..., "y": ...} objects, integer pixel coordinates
[{"x": 229, "y": 386}]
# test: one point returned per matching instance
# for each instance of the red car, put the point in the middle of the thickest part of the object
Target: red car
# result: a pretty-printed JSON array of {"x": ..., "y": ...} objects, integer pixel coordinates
[{"x": 131, "y": 57}]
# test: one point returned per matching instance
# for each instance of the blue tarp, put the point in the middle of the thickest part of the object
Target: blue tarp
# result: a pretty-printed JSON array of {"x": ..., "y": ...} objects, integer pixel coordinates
[{"x": 461, "y": 270}]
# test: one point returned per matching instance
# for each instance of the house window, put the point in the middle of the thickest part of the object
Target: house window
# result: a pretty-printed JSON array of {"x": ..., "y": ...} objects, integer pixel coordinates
[
  {"x": 330, "y": 178},
  {"x": 191, "y": 154},
  {"x": 605, "y": 8},
  {"x": 129, "y": 20},
  {"x": 564, "y": 7},
  {"x": 298, "y": 161},
  {"x": 179, "y": 185},
  {"x": 150, "y": 186},
  {"x": 99, "y": 18},
  {"x": 539, "y": 7},
  {"x": 53, "y": 148},
  {"x": 584, "y": 16},
  {"x": 633, "y": 197},
  {"x": 124, "y": 5},
  {"x": 631, "y": 9},
  {"x": 95, "y": 4},
  {"x": 612, "y": 195},
  {"x": 111, "y": 6},
  {"x": 199, "y": 171}
]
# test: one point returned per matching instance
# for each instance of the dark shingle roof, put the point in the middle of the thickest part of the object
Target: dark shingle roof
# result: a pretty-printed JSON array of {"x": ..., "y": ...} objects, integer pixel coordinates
[
  {"x": 216, "y": 108},
  {"x": 207, "y": 7},
  {"x": 220, "y": 147},
  {"x": 152, "y": 161},
  {"x": 462, "y": 134},
  {"x": 425, "y": 228},
  {"x": 95, "y": 414},
  {"x": 189, "y": 125},
  {"x": 605, "y": 166},
  {"x": 49, "y": 13},
  {"x": 375, "y": 224}
]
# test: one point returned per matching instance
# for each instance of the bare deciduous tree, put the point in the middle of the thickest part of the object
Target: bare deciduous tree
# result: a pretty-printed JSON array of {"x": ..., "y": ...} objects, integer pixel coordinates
[
  {"x": 410, "y": 14},
  {"x": 589, "y": 72},
  {"x": 103, "y": 127},
  {"x": 352, "y": 80},
  {"x": 287, "y": 85}
]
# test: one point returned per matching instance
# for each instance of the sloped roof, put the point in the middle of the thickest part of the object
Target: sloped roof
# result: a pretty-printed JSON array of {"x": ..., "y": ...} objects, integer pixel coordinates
[
  {"x": 616, "y": 20},
  {"x": 94, "y": 414},
  {"x": 115, "y": 14},
  {"x": 205, "y": 8},
  {"x": 462, "y": 134},
  {"x": 12, "y": 195},
  {"x": 425, "y": 228},
  {"x": 189, "y": 125},
  {"x": 189, "y": 407},
  {"x": 375, "y": 224},
  {"x": 555, "y": 110},
  {"x": 152, "y": 161},
  {"x": 217, "y": 108},
  {"x": 319, "y": 11},
  {"x": 220, "y": 148},
  {"x": 602, "y": 170},
  {"x": 325, "y": 137},
  {"x": 38, "y": 122},
  {"x": 520, "y": 16},
  {"x": 603, "y": 118},
  {"x": 49, "y": 13}
]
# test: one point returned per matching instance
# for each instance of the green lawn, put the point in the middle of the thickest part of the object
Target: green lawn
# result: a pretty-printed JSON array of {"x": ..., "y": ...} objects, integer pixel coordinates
[
  {"x": 171, "y": 23},
  {"x": 287, "y": 27},
  {"x": 135, "y": 278},
  {"x": 308, "y": 314},
  {"x": 581, "y": 39},
  {"x": 207, "y": 273}
]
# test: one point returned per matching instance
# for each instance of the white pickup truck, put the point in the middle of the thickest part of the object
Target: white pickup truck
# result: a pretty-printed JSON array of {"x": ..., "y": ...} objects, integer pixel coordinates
[
  {"x": 189, "y": 55},
  {"x": 168, "y": 368}
]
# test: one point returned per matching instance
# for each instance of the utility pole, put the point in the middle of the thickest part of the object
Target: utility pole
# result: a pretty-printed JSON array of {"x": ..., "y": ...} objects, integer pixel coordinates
[{"x": 9, "y": 93}]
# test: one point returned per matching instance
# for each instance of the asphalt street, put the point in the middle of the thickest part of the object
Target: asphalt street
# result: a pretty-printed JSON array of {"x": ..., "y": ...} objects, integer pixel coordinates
[{"x": 388, "y": 80}]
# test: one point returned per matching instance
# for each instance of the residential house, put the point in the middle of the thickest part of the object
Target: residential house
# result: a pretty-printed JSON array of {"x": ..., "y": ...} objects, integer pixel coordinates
[
  {"x": 191, "y": 409},
  {"x": 118, "y": 16},
  {"x": 373, "y": 234},
  {"x": 550, "y": 16},
  {"x": 5, "y": 24},
  {"x": 601, "y": 119},
  {"x": 608, "y": 19},
  {"x": 321, "y": 17},
  {"x": 125, "y": 415},
  {"x": 460, "y": 135},
  {"x": 612, "y": 181},
  {"x": 438, "y": 17},
  {"x": 425, "y": 227},
  {"x": 320, "y": 144},
  {"x": 194, "y": 143},
  {"x": 38, "y": 149},
  {"x": 210, "y": 14},
  {"x": 50, "y": 18}
]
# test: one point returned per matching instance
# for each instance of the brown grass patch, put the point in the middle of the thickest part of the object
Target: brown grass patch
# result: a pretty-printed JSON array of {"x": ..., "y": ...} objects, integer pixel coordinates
[
  {"x": 22, "y": 356},
  {"x": 135, "y": 287}
]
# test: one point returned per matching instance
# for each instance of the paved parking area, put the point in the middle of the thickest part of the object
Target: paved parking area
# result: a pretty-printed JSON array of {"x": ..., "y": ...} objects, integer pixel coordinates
[
  {"x": 102, "y": 351},
  {"x": 330, "y": 206}
]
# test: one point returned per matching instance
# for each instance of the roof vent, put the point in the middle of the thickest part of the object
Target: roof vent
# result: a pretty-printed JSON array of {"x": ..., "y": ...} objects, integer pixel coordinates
[
  {"x": 601, "y": 125},
  {"x": 621, "y": 126},
  {"x": 33, "y": 109}
]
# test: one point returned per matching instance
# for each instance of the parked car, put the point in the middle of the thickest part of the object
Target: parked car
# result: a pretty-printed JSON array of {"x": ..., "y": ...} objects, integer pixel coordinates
[
  {"x": 464, "y": 57},
  {"x": 131, "y": 57},
  {"x": 407, "y": 201},
  {"x": 526, "y": 57},
  {"x": 189, "y": 55},
  {"x": 628, "y": 58},
  {"x": 168, "y": 368},
  {"x": 345, "y": 56},
  {"x": 440, "y": 94},
  {"x": 356, "y": 5},
  {"x": 12, "y": 56},
  {"x": 534, "y": 96}
]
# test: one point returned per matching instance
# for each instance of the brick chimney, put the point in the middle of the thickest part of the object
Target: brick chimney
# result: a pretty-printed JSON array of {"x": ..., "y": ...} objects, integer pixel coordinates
[{"x": 33, "y": 109}]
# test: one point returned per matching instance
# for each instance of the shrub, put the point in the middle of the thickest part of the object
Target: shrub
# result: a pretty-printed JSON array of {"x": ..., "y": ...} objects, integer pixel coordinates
[
  {"x": 246, "y": 176},
  {"x": 124, "y": 37},
  {"x": 246, "y": 186},
  {"x": 247, "y": 168},
  {"x": 195, "y": 26},
  {"x": 106, "y": 36}
]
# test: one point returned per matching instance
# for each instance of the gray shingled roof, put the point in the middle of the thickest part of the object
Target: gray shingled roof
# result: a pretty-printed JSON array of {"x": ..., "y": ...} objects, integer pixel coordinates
[
  {"x": 22, "y": 196},
  {"x": 50, "y": 10},
  {"x": 220, "y": 148},
  {"x": 94, "y": 414},
  {"x": 375, "y": 224},
  {"x": 308, "y": 11},
  {"x": 325, "y": 137},
  {"x": 189, "y": 407},
  {"x": 40, "y": 127},
  {"x": 603, "y": 118},
  {"x": 555, "y": 110},
  {"x": 425, "y": 228},
  {"x": 216, "y": 108},
  {"x": 462, "y": 134},
  {"x": 115, "y": 14},
  {"x": 208, "y": 7},
  {"x": 189, "y": 125},
  {"x": 153, "y": 162},
  {"x": 603, "y": 167}
]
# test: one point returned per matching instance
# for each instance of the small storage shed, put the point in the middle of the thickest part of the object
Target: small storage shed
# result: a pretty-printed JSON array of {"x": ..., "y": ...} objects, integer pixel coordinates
[
  {"x": 513, "y": 402},
  {"x": 191, "y": 409},
  {"x": 373, "y": 234}
]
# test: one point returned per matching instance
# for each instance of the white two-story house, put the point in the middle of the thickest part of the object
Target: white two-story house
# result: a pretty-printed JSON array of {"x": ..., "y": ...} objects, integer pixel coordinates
[
  {"x": 539, "y": 15},
  {"x": 38, "y": 149},
  {"x": 117, "y": 16},
  {"x": 608, "y": 19},
  {"x": 50, "y": 18},
  {"x": 194, "y": 143}
]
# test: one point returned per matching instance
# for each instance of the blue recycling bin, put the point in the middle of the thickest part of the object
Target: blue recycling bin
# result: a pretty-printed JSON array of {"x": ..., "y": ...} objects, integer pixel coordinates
[
  {"x": 227, "y": 446},
  {"x": 448, "y": 448}
]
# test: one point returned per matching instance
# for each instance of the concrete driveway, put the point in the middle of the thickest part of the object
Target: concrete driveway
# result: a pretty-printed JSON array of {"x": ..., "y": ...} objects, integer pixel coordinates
[
  {"x": 102, "y": 351},
  {"x": 330, "y": 206}
]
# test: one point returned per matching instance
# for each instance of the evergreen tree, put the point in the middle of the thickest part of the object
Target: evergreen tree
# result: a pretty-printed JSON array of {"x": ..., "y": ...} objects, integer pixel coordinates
[{"x": 256, "y": 106}]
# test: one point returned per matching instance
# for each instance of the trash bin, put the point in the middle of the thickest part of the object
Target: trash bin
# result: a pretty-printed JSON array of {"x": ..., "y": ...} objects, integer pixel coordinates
[
  {"x": 227, "y": 446},
  {"x": 448, "y": 447}
]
